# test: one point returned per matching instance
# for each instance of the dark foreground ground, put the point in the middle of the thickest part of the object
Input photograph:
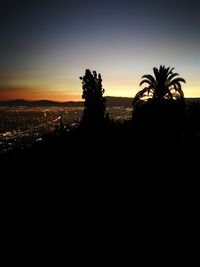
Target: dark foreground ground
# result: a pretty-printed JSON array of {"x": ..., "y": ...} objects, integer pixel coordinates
[{"x": 113, "y": 175}]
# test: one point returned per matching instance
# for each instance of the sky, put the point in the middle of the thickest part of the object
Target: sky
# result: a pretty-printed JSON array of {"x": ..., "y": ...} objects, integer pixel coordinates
[{"x": 47, "y": 45}]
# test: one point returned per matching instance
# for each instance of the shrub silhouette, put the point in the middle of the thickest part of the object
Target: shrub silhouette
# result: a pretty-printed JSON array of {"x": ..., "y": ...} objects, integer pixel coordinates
[{"x": 94, "y": 104}]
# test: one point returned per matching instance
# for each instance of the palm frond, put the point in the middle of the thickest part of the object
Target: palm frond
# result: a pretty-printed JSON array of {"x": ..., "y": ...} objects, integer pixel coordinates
[
  {"x": 140, "y": 95},
  {"x": 171, "y": 71},
  {"x": 145, "y": 81},
  {"x": 161, "y": 68},
  {"x": 171, "y": 77},
  {"x": 156, "y": 73},
  {"x": 177, "y": 80},
  {"x": 149, "y": 77},
  {"x": 168, "y": 71},
  {"x": 178, "y": 89},
  {"x": 169, "y": 95}
]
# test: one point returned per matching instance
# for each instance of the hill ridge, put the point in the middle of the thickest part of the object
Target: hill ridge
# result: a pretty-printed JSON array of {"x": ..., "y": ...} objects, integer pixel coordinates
[{"x": 111, "y": 101}]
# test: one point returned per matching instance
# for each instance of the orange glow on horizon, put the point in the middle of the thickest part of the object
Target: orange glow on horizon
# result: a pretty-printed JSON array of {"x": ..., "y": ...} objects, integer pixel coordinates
[
  {"x": 35, "y": 98},
  {"x": 31, "y": 94},
  {"x": 75, "y": 94}
]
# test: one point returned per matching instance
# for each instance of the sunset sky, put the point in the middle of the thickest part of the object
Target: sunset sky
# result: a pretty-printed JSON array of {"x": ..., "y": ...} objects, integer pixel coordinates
[{"x": 46, "y": 45}]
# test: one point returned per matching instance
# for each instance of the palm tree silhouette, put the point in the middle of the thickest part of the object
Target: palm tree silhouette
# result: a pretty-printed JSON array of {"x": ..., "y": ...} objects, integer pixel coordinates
[{"x": 165, "y": 85}]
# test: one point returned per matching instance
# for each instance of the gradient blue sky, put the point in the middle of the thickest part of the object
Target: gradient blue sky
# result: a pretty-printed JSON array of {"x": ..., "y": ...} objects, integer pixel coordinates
[{"x": 46, "y": 45}]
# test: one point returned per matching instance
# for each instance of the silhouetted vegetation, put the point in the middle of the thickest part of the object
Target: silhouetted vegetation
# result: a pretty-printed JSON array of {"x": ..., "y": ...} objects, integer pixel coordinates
[
  {"x": 94, "y": 104},
  {"x": 159, "y": 108},
  {"x": 163, "y": 86},
  {"x": 124, "y": 168}
]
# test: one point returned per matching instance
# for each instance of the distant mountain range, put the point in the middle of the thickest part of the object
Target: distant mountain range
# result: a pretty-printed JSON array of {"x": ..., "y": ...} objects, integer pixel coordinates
[
  {"x": 40, "y": 103},
  {"x": 110, "y": 102}
]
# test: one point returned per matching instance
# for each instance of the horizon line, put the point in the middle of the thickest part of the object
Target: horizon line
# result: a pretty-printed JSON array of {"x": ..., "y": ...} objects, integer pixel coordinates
[{"x": 35, "y": 100}]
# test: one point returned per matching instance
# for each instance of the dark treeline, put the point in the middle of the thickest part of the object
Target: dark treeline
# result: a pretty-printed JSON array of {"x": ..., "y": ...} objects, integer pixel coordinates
[{"x": 104, "y": 168}]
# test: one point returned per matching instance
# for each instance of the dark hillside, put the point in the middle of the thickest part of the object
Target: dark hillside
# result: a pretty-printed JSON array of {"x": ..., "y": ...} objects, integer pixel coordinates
[{"x": 111, "y": 171}]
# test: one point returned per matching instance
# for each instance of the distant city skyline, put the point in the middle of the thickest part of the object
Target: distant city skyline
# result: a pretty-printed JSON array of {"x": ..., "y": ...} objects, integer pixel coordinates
[{"x": 46, "y": 45}]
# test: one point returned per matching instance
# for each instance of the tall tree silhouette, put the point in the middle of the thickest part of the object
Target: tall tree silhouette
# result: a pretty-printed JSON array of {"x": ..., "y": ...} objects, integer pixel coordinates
[
  {"x": 165, "y": 85},
  {"x": 94, "y": 104}
]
